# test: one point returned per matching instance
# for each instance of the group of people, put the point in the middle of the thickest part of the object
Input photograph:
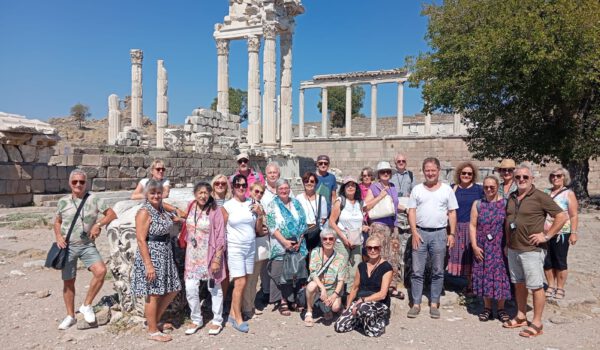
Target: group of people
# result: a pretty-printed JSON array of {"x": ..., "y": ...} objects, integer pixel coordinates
[{"x": 331, "y": 252}]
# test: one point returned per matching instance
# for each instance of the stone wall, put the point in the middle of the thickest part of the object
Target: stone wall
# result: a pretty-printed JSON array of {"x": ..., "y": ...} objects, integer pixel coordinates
[{"x": 350, "y": 155}]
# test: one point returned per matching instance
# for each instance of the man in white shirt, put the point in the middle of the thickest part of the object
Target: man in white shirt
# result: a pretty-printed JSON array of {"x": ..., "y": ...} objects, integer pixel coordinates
[{"x": 431, "y": 207}]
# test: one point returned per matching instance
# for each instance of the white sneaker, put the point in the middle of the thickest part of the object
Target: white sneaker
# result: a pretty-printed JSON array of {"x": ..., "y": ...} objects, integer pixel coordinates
[
  {"x": 67, "y": 323},
  {"x": 88, "y": 313}
]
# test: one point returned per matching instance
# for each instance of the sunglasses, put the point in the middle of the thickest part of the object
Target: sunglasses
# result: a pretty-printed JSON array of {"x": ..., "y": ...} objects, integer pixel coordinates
[
  {"x": 506, "y": 170},
  {"x": 220, "y": 183},
  {"x": 374, "y": 248},
  {"x": 524, "y": 177},
  {"x": 322, "y": 163},
  {"x": 350, "y": 184},
  {"x": 466, "y": 173},
  {"x": 240, "y": 185},
  {"x": 400, "y": 161},
  {"x": 310, "y": 182},
  {"x": 328, "y": 239},
  {"x": 259, "y": 192},
  {"x": 385, "y": 172},
  {"x": 366, "y": 175},
  {"x": 75, "y": 182},
  {"x": 489, "y": 188},
  {"x": 242, "y": 161},
  {"x": 558, "y": 176},
  {"x": 159, "y": 169}
]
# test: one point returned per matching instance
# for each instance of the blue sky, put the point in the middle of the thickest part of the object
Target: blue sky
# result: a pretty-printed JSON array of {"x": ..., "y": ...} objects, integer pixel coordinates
[{"x": 56, "y": 53}]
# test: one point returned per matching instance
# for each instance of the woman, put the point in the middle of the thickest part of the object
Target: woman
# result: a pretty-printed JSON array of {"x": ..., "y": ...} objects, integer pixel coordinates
[
  {"x": 367, "y": 176},
  {"x": 367, "y": 306},
  {"x": 154, "y": 273},
  {"x": 220, "y": 187},
  {"x": 347, "y": 221},
  {"x": 244, "y": 219},
  {"x": 555, "y": 264},
  {"x": 508, "y": 184},
  {"x": 261, "y": 255},
  {"x": 286, "y": 222},
  {"x": 204, "y": 238},
  {"x": 486, "y": 230},
  {"x": 327, "y": 275},
  {"x": 467, "y": 191},
  {"x": 384, "y": 227},
  {"x": 157, "y": 173},
  {"x": 310, "y": 203}
]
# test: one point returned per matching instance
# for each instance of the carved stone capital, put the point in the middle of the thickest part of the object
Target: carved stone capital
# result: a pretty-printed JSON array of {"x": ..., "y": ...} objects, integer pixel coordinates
[
  {"x": 253, "y": 44},
  {"x": 222, "y": 47},
  {"x": 137, "y": 56},
  {"x": 270, "y": 30}
]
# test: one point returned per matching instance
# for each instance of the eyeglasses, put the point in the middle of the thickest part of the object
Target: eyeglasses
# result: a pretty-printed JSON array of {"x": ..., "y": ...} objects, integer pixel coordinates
[
  {"x": 220, "y": 183},
  {"x": 259, "y": 192},
  {"x": 400, "y": 161},
  {"x": 322, "y": 163},
  {"x": 75, "y": 182},
  {"x": 242, "y": 161},
  {"x": 375, "y": 248},
  {"x": 238, "y": 185},
  {"x": 489, "y": 188},
  {"x": 558, "y": 176},
  {"x": 524, "y": 177},
  {"x": 365, "y": 175},
  {"x": 159, "y": 169},
  {"x": 388, "y": 172},
  {"x": 350, "y": 184},
  {"x": 466, "y": 173},
  {"x": 310, "y": 182},
  {"x": 328, "y": 239},
  {"x": 506, "y": 170}
]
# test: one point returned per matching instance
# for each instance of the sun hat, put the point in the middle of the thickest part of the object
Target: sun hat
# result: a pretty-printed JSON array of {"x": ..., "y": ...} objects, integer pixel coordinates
[
  {"x": 349, "y": 178},
  {"x": 383, "y": 165},
  {"x": 242, "y": 156},
  {"x": 506, "y": 163}
]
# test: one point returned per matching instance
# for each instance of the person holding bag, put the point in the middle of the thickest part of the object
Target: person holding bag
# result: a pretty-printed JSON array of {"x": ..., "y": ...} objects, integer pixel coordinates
[
  {"x": 315, "y": 208},
  {"x": 76, "y": 228}
]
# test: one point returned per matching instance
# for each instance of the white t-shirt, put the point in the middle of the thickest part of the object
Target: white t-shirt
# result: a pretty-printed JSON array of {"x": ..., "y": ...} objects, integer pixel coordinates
[
  {"x": 351, "y": 217},
  {"x": 269, "y": 196},
  {"x": 241, "y": 223},
  {"x": 432, "y": 206},
  {"x": 165, "y": 182},
  {"x": 310, "y": 207}
]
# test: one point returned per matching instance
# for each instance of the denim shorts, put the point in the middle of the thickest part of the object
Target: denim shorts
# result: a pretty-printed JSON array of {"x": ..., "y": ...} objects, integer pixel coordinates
[
  {"x": 527, "y": 267},
  {"x": 88, "y": 254}
]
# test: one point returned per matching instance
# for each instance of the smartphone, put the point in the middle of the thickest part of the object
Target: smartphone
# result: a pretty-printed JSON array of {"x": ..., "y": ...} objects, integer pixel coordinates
[{"x": 211, "y": 283}]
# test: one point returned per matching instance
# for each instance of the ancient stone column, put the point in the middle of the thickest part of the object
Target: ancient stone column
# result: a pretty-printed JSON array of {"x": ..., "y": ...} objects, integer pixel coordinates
[
  {"x": 278, "y": 118},
  {"x": 285, "y": 41},
  {"x": 324, "y": 112},
  {"x": 137, "y": 113},
  {"x": 427, "y": 128},
  {"x": 222, "y": 76},
  {"x": 114, "y": 119},
  {"x": 373, "y": 109},
  {"x": 269, "y": 76},
  {"x": 162, "y": 104},
  {"x": 348, "y": 110},
  {"x": 253, "y": 91},
  {"x": 456, "y": 124},
  {"x": 400, "y": 111},
  {"x": 301, "y": 114}
]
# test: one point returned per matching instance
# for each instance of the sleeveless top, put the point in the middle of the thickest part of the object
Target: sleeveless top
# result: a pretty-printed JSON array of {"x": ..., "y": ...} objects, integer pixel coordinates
[
  {"x": 371, "y": 285},
  {"x": 562, "y": 199},
  {"x": 161, "y": 223}
]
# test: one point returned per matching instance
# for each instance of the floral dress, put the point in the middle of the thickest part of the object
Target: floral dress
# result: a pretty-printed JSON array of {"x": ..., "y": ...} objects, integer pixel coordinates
[
  {"x": 490, "y": 276},
  {"x": 196, "y": 253}
]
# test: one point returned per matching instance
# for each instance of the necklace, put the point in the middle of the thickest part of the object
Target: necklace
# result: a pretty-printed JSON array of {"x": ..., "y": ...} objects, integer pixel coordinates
[{"x": 374, "y": 267}]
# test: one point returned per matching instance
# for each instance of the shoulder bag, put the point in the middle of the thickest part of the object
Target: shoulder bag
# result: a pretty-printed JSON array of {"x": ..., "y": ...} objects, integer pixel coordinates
[
  {"x": 313, "y": 233},
  {"x": 383, "y": 208}
]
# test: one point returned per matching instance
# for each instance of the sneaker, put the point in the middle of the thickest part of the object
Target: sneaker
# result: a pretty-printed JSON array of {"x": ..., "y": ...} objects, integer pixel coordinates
[
  {"x": 67, "y": 323},
  {"x": 88, "y": 313},
  {"x": 434, "y": 312},
  {"x": 413, "y": 312}
]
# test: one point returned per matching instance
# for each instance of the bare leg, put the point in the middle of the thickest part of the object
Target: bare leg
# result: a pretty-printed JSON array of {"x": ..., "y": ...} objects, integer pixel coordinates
[
  {"x": 487, "y": 303},
  {"x": 151, "y": 312},
  {"x": 311, "y": 290},
  {"x": 163, "y": 304},
  {"x": 550, "y": 277},
  {"x": 235, "y": 311},
  {"x": 69, "y": 296},
  {"x": 539, "y": 301},
  {"x": 561, "y": 278},
  {"x": 500, "y": 304},
  {"x": 99, "y": 272},
  {"x": 521, "y": 297}
]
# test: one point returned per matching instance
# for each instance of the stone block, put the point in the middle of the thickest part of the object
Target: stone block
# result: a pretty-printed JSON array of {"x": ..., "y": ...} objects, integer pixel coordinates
[
  {"x": 3, "y": 154},
  {"x": 125, "y": 161},
  {"x": 113, "y": 184},
  {"x": 98, "y": 184},
  {"x": 38, "y": 186},
  {"x": 128, "y": 184},
  {"x": 136, "y": 161},
  {"x": 114, "y": 160},
  {"x": 21, "y": 200},
  {"x": 13, "y": 154},
  {"x": 28, "y": 152},
  {"x": 61, "y": 172},
  {"x": 142, "y": 172},
  {"x": 64, "y": 185},
  {"x": 24, "y": 186},
  {"x": 6, "y": 201},
  {"x": 52, "y": 172},
  {"x": 91, "y": 172},
  {"x": 127, "y": 172},
  {"x": 3, "y": 187},
  {"x": 147, "y": 162},
  {"x": 40, "y": 172},
  {"x": 112, "y": 171},
  {"x": 101, "y": 172},
  {"x": 44, "y": 154},
  {"x": 26, "y": 172},
  {"x": 52, "y": 186},
  {"x": 93, "y": 160},
  {"x": 12, "y": 186}
]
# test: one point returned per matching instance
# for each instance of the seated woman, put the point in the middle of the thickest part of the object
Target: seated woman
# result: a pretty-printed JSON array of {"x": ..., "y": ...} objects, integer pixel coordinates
[
  {"x": 367, "y": 305},
  {"x": 158, "y": 173},
  {"x": 327, "y": 273}
]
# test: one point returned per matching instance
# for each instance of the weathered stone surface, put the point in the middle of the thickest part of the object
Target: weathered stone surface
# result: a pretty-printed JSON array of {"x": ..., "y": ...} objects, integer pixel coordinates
[
  {"x": 52, "y": 186},
  {"x": 102, "y": 318},
  {"x": 3, "y": 155},
  {"x": 12, "y": 186},
  {"x": 10, "y": 172},
  {"x": 62, "y": 172},
  {"x": 28, "y": 152},
  {"x": 40, "y": 172},
  {"x": 20, "y": 200},
  {"x": 2, "y": 187},
  {"x": 137, "y": 162},
  {"x": 14, "y": 155},
  {"x": 112, "y": 171},
  {"x": 128, "y": 172},
  {"x": 6, "y": 201},
  {"x": 44, "y": 154},
  {"x": 99, "y": 184},
  {"x": 128, "y": 184},
  {"x": 91, "y": 172},
  {"x": 38, "y": 186},
  {"x": 52, "y": 172},
  {"x": 24, "y": 186}
]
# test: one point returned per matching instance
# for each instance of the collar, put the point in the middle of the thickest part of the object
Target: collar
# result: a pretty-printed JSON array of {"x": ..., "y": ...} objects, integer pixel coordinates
[{"x": 515, "y": 194}]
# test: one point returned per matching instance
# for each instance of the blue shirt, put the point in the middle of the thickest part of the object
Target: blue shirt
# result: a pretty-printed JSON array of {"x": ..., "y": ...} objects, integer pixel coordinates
[
  {"x": 465, "y": 198},
  {"x": 326, "y": 185}
]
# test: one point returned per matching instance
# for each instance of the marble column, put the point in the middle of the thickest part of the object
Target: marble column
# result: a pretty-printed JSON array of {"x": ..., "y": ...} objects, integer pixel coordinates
[
  {"x": 278, "y": 118},
  {"x": 301, "y": 114},
  {"x": 324, "y": 122},
  {"x": 137, "y": 113},
  {"x": 253, "y": 91},
  {"x": 269, "y": 76},
  {"x": 349, "y": 110},
  {"x": 223, "y": 76},
  {"x": 162, "y": 104},
  {"x": 427, "y": 128},
  {"x": 285, "y": 42},
  {"x": 400, "y": 111},
  {"x": 373, "y": 109},
  {"x": 114, "y": 119},
  {"x": 456, "y": 124}
]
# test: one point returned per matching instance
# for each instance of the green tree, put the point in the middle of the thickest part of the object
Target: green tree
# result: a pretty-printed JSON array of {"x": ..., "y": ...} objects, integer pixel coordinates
[
  {"x": 80, "y": 112},
  {"x": 336, "y": 104},
  {"x": 238, "y": 103},
  {"x": 524, "y": 74}
]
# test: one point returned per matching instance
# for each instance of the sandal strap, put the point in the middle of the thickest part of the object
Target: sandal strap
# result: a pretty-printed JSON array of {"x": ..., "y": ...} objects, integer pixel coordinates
[{"x": 536, "y": 328}]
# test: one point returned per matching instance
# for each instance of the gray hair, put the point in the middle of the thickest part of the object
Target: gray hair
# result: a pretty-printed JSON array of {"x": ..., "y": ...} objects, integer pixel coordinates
[
  {"x": 281, "y": 182},
  {"x": 273, "y": 165},
  {"x": 153, "y": 184},
  {"x": 526, "y": 167},
  {"x": 327, "y": 231},
  {"x": 77, "y": 172},
  {"x": 566, "y": 175},
  {"x": 433, "y": 161}
]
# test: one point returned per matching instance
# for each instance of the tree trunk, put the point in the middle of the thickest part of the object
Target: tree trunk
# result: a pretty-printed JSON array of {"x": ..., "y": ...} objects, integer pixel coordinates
[{"x": 579, "y": 170}]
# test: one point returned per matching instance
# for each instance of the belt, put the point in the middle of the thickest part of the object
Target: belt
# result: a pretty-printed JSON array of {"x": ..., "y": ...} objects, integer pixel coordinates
[
  {"x": 161, "y": 238},
  {"x": 431, "y": 229}
]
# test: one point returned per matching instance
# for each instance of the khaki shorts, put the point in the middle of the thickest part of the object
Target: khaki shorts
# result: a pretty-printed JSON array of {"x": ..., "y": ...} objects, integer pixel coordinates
[
  {"x": 527, "y": 267},
  {"x": 88, "y": 254}
]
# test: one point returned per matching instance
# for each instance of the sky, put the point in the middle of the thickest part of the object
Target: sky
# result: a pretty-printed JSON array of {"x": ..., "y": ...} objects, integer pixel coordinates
[{"x": 54, "y": 54}]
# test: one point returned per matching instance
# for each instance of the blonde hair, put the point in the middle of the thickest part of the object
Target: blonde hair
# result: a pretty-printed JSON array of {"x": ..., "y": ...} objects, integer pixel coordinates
[
  {"x": 257, "y": 184},
  {"x": 373, "y": 239},
  {"x": 212, "y": 183},
  {"x": 564, "y": 172}
]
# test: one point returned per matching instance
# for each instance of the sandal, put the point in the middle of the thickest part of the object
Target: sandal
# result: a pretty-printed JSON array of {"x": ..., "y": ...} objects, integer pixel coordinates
[
  {"x": 214, "y": 329},
  {"x": 485, "y": 315},
  {"x": 159, "y": 337},
  {"x": 308, "y": 320},
  {"x": 468, "y": 292},
  {"x": 528, "y": 333},
  {"x": 394, "y": 293},
  {"x": 284, "y": 310},
  {"x": 503, "y": 316},
  {"x": 550, "y": 292},
  {"x": 559, "y": 293},
  {"x": 516, "y": 323}
]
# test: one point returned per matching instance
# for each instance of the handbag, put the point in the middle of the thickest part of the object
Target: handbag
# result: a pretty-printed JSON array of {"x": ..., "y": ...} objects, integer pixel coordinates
[
  {"x": 57, "y": 257},
  {"x": 383, "y": 208},
  {"x": 313, "y": 233},
  {"x": 294, "y": 268},
  {"x": 354, "y": 236},
  {"x": 182, "y": 239}
]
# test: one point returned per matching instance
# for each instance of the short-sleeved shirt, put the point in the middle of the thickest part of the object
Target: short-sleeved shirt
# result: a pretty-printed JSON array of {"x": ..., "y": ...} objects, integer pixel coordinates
[
  {"x": 404, "y": 182},
  {"x": 311, "y": 207},
  {"x": 511, "y": 189},
  {"x": 334, "y": 273},
  {"x": 252, "y": 177},
  {"x": 165, "y": 182},
  {"x": 529, "y": 216},
  {"x": 465, "y": 198},
  {"x": 562, "y": 199},
  {"x": 432, "y": 206},
  {"x": 241, "y": 224},
  {"x": 326, "y": 185},
  {"x": 66, "y": 209}
]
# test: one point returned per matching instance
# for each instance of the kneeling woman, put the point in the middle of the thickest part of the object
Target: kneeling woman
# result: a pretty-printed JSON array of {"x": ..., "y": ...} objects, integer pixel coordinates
[
  {"x": 205, "y": 241},
  {"x": 154, "y": 273},
  {"x": 367, "y": 306}
]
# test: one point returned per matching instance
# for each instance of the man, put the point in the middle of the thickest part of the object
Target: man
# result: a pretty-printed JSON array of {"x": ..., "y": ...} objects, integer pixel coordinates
[
  {"x": 327, "y": 182},
  {"x": 244, "y": 169},
  {"x": 526, "y": 212},
  {"x": 273, "y": 173},
  {"x": 431, "y": 207},
  {"x": 81, "y": 244},
  {"x": 404, "y": 181}
]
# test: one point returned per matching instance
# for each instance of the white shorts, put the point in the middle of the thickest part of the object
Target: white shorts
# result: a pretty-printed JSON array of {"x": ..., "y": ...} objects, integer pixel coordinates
[{"x": 240, "y": 259}]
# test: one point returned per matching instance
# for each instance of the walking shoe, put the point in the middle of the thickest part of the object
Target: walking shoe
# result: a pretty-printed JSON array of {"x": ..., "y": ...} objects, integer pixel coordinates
[
  {"x": 434, "y": 312},
  {"x": 88, "y": 313},
  {"x": 193, "y": 328},
  {"x": 67, "y": 323},
  {"x": 413, "y": 312}
]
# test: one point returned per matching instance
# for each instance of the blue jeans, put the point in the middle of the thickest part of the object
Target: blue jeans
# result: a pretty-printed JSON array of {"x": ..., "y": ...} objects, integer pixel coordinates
[{"x": 433, "y": 245}]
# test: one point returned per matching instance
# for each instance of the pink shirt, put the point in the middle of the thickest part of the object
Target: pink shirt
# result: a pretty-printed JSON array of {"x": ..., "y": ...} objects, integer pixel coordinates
[{"x": 251, "y": 178}]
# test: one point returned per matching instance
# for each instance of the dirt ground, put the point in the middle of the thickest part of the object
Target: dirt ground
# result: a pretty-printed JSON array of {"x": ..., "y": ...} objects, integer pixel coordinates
[{"x": 30, "y": 316}]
